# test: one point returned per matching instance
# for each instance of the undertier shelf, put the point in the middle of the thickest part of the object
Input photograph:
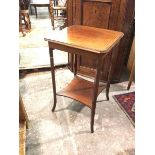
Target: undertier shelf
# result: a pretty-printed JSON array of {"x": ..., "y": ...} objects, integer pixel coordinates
[{"x": 81, "y": 90}]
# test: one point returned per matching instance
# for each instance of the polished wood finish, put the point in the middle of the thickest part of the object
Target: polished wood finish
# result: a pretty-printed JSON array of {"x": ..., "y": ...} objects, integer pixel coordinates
[
  {"x": 87, "y": 38},
  {"x": 81, "y": 90},
  {"x": 99, "y": 11},
  {"x": 108, "y": 14},
  {"x": 79, "y": 40},
  {"x": 24, "y": 15}
]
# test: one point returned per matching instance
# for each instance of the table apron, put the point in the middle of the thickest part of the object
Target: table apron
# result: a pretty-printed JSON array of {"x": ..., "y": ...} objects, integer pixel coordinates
[{"x": 75, "y": 50}]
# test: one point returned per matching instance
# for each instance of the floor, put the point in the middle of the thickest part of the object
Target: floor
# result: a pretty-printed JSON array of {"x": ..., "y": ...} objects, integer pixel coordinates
[
  {"x": 34, "y": 49},
  {"x": 67, "y": 130}
]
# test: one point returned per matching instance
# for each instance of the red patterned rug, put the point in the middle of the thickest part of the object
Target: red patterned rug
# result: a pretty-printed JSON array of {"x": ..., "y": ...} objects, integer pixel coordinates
[{"x": 127, "y": 104}]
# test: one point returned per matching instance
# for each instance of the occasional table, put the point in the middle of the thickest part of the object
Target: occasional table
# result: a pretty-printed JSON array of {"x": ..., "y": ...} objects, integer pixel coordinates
[{"x": 84, "y": 40}]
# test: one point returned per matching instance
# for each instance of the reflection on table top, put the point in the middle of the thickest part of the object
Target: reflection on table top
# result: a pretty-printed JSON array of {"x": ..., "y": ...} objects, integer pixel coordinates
[{"x": 89, "y": 38}]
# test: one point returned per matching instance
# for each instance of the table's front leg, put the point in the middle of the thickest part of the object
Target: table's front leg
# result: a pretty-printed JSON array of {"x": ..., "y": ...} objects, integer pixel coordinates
[
  {"x": 96, "y": 85},
  {"x": 53, "y": 77},
  {"x": 75, "y": 64}
]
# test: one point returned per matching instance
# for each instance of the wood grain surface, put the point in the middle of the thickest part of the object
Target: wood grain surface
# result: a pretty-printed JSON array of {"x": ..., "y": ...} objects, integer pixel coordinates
[
  {"x": 85, "y": 37},
  {"x": 81, "y": 90}
]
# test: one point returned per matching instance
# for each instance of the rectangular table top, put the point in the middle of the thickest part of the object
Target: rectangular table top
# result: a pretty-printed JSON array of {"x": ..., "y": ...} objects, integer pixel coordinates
[{"x": 88, "y": 38}]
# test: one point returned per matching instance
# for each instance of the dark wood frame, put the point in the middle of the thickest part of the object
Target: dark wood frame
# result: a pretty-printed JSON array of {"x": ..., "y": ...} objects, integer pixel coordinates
[
  {"x": 99, "y": 60},
  {"x": 85, "y": 91}
]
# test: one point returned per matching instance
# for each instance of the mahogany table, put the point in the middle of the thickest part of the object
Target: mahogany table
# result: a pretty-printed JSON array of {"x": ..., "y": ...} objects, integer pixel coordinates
[{"x": 84, "y": 40}]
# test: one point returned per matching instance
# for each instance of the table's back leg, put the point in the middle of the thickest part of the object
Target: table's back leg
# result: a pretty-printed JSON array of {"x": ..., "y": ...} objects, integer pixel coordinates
[
  {"x": 107, "y": 89},
  {"x": 75, "y": 64},
  {"x": 53, "y": 77},
  {"x": 131, "y": 76},
  {"x": 111, "y": 69},
  {"x": 96, "y": 85},
  {"x": 109, "y": 79}
]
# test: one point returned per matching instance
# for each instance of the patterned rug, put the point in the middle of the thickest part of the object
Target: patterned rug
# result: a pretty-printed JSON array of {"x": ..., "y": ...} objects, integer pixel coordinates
[{"x": 127, "y": 103}]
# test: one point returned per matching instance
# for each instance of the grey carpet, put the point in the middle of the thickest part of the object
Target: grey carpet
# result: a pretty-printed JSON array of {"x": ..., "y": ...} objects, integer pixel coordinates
[
  {"x": 67, "y": 130},
  {"x": 31, "y": 58}
]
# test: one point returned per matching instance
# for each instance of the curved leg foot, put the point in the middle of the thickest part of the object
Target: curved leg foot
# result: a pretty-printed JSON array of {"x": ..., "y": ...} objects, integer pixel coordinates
[
  {"x": 54, "y": 105},
  {"x": 92, "y": 120},
  {"x": 107, "y": 94},
  {"x": 107, "y": 97}
]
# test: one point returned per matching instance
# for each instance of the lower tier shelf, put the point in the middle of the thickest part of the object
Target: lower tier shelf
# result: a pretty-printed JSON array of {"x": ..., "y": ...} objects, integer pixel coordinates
[{"x": 81, "y": 90}]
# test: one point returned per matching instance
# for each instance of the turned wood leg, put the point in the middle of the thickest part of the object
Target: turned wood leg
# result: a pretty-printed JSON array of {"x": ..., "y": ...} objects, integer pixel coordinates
[
  {"x": 28, "y": 22},
  {"x": 20, "y": 25},
  {"x": 51, "y": 13},
  {"x": 53, "y": 78},
  {"x": 96, "y": 85},
  {"x": 108, "y": 83},
  {"x": 75, "y": 64}
]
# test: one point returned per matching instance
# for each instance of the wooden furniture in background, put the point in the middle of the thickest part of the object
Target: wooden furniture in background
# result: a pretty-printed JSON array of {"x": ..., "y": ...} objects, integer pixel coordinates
[
  {"x": 92, "y": 43},
  {"x": 20, "y": 25},
  {"x": 39, "y": 3},
  {"x": 23, "y": 123},
  {"x": 58, "y": 13},
  {"x": 24, "y": 16},
  {"x": 131, "y": 64},
  {"x": 108, "y": 14}
]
